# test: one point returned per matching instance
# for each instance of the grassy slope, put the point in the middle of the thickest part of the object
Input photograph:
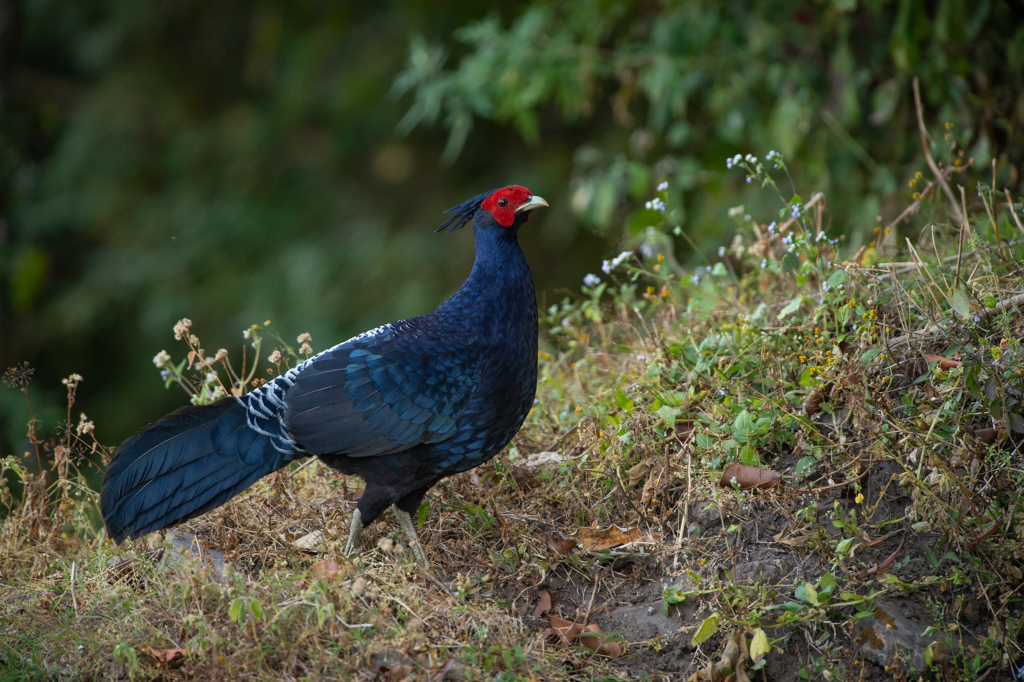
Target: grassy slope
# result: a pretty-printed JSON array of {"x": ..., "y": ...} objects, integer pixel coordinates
[{"x": 651, "y": 384}]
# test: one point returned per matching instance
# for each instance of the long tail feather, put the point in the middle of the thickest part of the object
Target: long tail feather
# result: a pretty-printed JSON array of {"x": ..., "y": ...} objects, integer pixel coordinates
[{"x": 191, "y": 461}]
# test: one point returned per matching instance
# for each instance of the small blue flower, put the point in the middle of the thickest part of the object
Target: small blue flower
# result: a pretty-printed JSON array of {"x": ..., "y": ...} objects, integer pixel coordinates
[
  {"x": 656, "y": 204},
  {"x": 662, "y": 186},
  {"x": 696, "y": 278},
  {"x": 165, "y": 374},
  {"x": 749, "y": 179},
  {"x": 606, "y": 267},
  {"x": 591, "y": 280},
  {"x": 771, "y": 228},
  {"x": 795, "y": 210},
  {"x": 764, "y": 263},
  {"x": 721, "y": 252},
  {"x": 825, "y": 287}
]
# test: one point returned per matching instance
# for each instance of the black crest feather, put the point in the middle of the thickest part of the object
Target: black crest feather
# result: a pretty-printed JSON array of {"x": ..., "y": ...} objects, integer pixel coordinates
[{"x": 464, "y": 212}]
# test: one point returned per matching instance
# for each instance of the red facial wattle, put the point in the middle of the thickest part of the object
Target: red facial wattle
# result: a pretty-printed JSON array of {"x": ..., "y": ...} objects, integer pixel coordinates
[{"x": 503, "y": 203}]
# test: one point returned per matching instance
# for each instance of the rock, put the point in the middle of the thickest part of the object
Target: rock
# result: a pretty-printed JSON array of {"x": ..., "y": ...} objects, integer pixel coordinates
[{"x": 893, "y": 628}]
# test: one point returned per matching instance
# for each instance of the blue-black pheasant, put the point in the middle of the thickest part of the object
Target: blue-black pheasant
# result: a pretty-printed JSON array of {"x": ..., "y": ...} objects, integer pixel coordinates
[{"x": 401, "y": 406}]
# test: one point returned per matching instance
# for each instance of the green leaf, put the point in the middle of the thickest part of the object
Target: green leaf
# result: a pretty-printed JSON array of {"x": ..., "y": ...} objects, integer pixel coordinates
[
  {"x": 843, "y": 547},
  {"x": 719, "y": 269},
  {"x": 622, "y": 401},
  {"x": 810, "y": 595},
  {"x": 257, "y": 608},
  {"x": 706, "y": 630},
  {"x": 804, "y": 466},
  {"x": 791, "y": 307},
  {"x": 960, "y": 304},
  {"x": 668, "y": 414},
  {"x": 235, "y": 611},
  {"x": 421, "y": 514}
]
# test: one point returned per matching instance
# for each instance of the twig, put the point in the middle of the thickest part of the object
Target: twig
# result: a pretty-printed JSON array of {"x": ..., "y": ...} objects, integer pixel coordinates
[
  {"x": 928, "y": 155},
  {"x": 74, "y": 599}
]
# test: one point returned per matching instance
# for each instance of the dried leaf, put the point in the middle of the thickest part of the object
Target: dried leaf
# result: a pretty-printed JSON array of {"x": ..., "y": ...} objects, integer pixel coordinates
[
  {"x": 596, "y": 641},
  {"x": 596, "y": 540},
  {"x": 944, "y": 362},
  {"x": 560, "y": 546},
  {"x": 543, "y": 604},
  {"x": 327, "y": 570},
  {"x": 759, "y": 645},
  {"x": 562, "y": 630},
  {"x": 749, "y": 477},
  {"x": 395, "y": 673},
  {"x": 812, "y": 405},
  {"x": 162, "y": 656},
  {"x": 638, "y": 473},
  {"x": 311, "y": 542},
  {"x": 986, "y": 436}
]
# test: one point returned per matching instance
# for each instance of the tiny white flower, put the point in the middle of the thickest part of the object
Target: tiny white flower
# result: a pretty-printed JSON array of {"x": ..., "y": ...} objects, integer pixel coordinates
[
  {"x": 211, "y": 377},
  {"x": 161, "y": 359},
  {"x": 591, "y": 280},
  {"x": 662, "y": 186},
  {"x": 606, "y": 267},
  {"x": 721, "y": 252}
]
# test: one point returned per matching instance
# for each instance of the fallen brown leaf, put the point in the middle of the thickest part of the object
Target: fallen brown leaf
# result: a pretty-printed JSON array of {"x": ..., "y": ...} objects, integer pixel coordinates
[
  {"x": 560, "y": 546},
  {"x": 162, "y": 656},
  {"x": 812, "y": 405},
  {"x": 595, "y": 640},
  {"x": 327, "y": 570},
  {"x": 638, "y": 473},
  {"x": 986, "y": 436},
  {"x": 567, "y": 633},
  {"x": 596, "y": 540},
  {"x": 749, "y": 477},
  {"x": 543, "y": 604},
  {"x": 562, "y": 630},
  {"x": 944, "y": 362}
]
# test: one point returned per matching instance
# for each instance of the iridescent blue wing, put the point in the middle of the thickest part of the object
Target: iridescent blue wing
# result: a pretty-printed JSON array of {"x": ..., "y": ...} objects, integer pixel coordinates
[{"x": 381, "y": 392}]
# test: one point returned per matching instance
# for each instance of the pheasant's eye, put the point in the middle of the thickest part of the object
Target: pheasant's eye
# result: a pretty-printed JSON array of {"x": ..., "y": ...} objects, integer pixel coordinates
[{"x": 503, "y": 203}]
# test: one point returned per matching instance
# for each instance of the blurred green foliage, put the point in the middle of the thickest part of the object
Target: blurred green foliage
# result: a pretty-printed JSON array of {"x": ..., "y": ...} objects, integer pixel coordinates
[{"x": 237, "y": 161}]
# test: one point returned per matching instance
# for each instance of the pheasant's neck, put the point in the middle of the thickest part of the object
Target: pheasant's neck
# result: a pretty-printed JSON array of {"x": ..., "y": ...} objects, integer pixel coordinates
[{"x": 499, "y": 292}]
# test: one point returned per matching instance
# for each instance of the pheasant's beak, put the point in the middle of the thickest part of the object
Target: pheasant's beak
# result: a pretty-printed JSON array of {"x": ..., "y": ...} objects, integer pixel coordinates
[{"x": 531, "y": 203}]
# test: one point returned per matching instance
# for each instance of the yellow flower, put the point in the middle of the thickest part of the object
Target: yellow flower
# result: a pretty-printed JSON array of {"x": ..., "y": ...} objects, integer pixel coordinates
[
  {"x": 949, "y": 126},
  {"x": 912, "y": 183},
  {"x": 918, "y": 175},
  {"x": 916, "y": 195},
  {"x": 650, "y": 290},
  {"x": 851, "y": 303},
  {"x": 803, "y": 358},
  {"x": 661, "y": 258},
  {"x": 871, "y": 245},
  {"x": 860, "y": 498}
]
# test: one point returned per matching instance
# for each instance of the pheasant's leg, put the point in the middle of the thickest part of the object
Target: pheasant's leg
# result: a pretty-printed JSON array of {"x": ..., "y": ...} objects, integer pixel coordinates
[
  {"x": 352, "y": 547},
  {"x": 405, "y": 521}
]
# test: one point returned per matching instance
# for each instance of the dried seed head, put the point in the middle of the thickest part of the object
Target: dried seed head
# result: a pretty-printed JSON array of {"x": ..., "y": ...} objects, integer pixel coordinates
[
  {"x": 305, "y": 338},
  {"x": 275, "y": 357},
  {"x": 181, "y": 328}
]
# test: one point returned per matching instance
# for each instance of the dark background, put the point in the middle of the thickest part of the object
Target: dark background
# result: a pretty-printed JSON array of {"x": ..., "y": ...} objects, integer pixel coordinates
[{"x": 234, "y": 162}]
